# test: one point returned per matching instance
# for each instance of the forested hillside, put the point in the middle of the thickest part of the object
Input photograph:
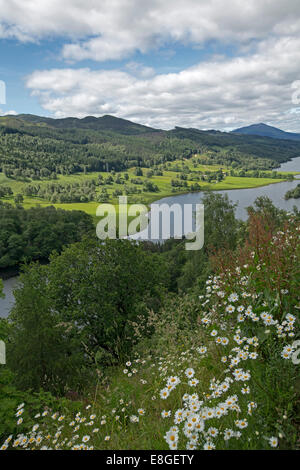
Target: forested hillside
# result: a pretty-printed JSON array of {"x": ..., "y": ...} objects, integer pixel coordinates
[{"x": 35, "y": 147}]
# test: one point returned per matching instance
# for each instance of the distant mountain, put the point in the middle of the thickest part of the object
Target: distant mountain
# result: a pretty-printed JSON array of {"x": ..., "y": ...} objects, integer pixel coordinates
[
  {"x": 267, "y": 131},
  {"x": 104, "y": 123}
]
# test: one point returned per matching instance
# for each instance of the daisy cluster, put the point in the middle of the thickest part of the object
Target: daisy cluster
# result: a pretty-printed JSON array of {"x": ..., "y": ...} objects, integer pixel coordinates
[
  {"x": 56, "y": 432},
  {"x": 198, "y": 423},
  {"x": 39, "y": 437}
]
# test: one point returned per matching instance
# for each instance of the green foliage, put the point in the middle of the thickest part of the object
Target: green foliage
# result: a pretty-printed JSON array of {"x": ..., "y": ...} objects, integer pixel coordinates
[
  {"x": 272, "y": 215},
  {"x": 33, "y": 147},
  {"x": 220, "y": 231},
  {"x": 11, "y": 398},
  {"x": 221, "y": 226},
  {"x": 18, "y": 199},
  {"x": 63, "y": 193},
  {"x": 293, "y": 193},
  {"x": 80, "y": 319},
  {"x": 42, "y": 350},
  {"x": 84, "y": 301},
  {"x": 150, "y": 187}
]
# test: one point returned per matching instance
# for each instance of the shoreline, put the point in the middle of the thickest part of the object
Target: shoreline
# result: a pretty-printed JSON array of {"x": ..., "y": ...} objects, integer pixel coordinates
[
  {"x": 180, "y": 193},
  {"x": 9, "y": 273},
  {"x": 14, "y": 271}
]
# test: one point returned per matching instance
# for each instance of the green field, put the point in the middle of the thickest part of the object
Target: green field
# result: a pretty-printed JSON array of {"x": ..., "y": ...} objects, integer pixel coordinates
[{"x": 163, "y": 183}]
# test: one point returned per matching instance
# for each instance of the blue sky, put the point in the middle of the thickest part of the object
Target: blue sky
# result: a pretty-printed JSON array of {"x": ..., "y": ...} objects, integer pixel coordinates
[
  {"x": 163, "y": 63},
  {"x": 19, "y": 60}
]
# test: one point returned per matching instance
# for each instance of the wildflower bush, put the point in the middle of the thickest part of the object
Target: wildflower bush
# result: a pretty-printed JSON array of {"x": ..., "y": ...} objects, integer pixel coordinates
[
  {"x": 13, "y": 416},
  {"x": 213, "y": 371}
]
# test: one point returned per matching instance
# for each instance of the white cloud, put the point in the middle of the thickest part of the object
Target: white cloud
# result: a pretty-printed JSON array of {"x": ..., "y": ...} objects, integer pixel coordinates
[
  {"x": 223, "y": 93},
  {"x": 140, "y": 70},
  {"x": 6, "y": 113},
  {"x": 113, "y": 29}
]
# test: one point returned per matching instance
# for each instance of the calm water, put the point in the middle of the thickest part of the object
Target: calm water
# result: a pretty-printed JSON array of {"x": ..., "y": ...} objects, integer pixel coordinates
[
  {"x": 293, "y": 165},
  {"x": 244, "y": 198},
  {"x": 7, "y": 303}
]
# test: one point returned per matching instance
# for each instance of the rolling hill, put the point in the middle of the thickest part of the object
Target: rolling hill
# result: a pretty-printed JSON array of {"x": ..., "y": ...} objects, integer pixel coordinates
[
  {"x": 33, "y": 146},
  {"x": 267, "y": 131},
  {"x": 104, "y": 123}
]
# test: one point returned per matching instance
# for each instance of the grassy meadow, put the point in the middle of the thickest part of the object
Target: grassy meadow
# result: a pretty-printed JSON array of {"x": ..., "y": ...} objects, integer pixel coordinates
[{"x": 162, "y": 182}]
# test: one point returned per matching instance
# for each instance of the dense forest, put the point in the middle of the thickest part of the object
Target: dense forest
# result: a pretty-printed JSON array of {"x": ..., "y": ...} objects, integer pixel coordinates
[
  {"x": 27, "y": 235},
  {"x": 33, "y": 147}
]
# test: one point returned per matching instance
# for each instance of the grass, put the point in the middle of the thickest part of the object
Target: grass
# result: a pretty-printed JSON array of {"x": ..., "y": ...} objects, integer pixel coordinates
[{"x": 163, "y": 183}]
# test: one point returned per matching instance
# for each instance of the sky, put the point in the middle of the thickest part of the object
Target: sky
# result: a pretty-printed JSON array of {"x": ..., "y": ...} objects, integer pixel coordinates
[{"x": 207, "y": 64}]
